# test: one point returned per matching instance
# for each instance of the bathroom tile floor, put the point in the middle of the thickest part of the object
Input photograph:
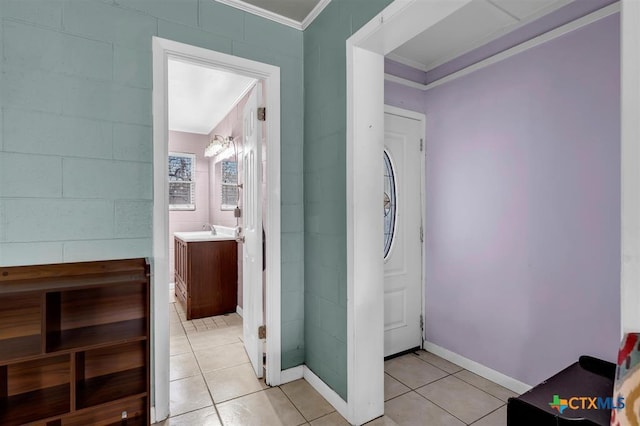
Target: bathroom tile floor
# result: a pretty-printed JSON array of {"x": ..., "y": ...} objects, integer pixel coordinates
[{"x": 213, "y": 384}]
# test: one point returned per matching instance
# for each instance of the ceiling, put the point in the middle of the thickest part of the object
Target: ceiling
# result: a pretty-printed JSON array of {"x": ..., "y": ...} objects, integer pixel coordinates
[
  {"x": 292, "y": 9},
  {"x": 200, "y": 97},
  {"x": 473, "y": 25}
]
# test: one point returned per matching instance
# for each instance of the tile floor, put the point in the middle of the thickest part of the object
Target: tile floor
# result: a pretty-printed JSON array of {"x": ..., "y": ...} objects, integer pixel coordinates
[{"x": 213, "y": 384}]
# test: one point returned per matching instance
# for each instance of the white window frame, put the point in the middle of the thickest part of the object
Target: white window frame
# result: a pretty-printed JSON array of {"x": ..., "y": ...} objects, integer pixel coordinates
[{"x": 192, "y": 183}]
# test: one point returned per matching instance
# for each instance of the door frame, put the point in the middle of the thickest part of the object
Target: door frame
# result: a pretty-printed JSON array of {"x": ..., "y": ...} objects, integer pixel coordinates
[
  {"x": 422, "y": 119},
  {"x": 164, "y": 49},
  {"x": 397, "y": 23}
]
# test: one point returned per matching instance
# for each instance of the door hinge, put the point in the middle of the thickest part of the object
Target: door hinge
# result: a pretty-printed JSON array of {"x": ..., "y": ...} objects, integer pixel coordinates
[
  {"x": 421, "y": 234},
  {"x": 421, "y": 144},
  {"x": 262, "y": 332},
  {"x": 421, "y": 322},
  {"x": 262, "y": 114}
]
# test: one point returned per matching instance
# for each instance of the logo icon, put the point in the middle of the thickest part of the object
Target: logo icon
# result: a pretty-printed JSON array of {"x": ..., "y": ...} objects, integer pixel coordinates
[{"x": 559, "y": 404}]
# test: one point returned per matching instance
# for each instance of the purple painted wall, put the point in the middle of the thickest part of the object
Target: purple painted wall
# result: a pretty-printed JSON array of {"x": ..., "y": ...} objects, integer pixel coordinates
[
  {"x": 404, "y": 71},
  {"x": 523, "y": 214}
]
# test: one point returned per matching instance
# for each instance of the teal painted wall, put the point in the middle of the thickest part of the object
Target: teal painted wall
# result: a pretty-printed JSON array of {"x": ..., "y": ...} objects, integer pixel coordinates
[
  {"x": 325, "y": 261},
  {"x": 76, "y": 171}
]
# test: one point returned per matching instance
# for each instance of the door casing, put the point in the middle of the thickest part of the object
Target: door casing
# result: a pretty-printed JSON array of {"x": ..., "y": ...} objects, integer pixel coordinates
[{"x": 164, "y": 49}]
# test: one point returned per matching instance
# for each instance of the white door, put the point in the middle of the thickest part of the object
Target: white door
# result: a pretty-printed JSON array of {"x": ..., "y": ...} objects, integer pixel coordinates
[
  {"x": 252, "y": 231},
  {"x": 402, "y": 167}
]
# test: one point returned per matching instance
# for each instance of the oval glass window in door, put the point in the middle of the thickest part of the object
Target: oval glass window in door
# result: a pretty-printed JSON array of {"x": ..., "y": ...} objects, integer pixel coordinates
[{"x": 389, "y": 203}]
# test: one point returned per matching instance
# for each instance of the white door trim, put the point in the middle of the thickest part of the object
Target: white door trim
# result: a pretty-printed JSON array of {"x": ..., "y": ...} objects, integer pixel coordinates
[
  {"x": 162, "y": 50},
  {"x": 422, "y": 118},
  {"x": 396, "y": 24}
]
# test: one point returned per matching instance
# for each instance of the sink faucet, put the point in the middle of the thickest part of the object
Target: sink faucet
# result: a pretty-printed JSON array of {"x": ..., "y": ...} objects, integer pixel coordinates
[{"x": 213, "y": 228}]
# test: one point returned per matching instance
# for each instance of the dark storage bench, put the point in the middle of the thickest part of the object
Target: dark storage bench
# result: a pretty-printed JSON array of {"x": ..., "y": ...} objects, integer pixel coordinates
[{"x": 588, "y": 377}]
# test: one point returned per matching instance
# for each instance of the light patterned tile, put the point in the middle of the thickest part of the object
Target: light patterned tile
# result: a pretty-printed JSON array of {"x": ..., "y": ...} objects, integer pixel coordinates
[
  {"x": 211, "y": 338},
  {"x": 412, "y": 372},
  {"x": 179, "y": 345},
  {"x": 188, "y": 395},
  {"x": 393, "y": 388},
  {"x": 382, "y": 421},
  {"x": 333, "y": 419},
  {"x": 441, "y": 363},
  {"x": 306, "y": 399},
  {"x": 486, "y": 385},
  {"x": 183, "y": 365},
  {"x": 459, "y": 398},
  {"x": 233, "y": 382},
  {"x": 222, "y": 357},
  {"x": 497, "y": 418},
  {"x": 175, "y": 329},
  {"x": 411, "y": 409},
  {"x": 269, "y": 407},
  {"x": 203, "y": 417}
]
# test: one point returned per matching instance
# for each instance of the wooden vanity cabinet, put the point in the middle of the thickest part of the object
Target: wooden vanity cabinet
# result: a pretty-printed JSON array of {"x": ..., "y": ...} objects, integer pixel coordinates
[
  {"x": 206, "y": 277},
  {"x": 74, "y": 344}
]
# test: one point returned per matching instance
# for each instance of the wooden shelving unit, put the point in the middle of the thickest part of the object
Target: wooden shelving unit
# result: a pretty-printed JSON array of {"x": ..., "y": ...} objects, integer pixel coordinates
[{"x": 74, "y": 344}]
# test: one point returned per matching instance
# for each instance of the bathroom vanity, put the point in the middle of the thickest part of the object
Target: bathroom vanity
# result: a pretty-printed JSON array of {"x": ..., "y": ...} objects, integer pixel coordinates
[{"x": 206, "y": 273}]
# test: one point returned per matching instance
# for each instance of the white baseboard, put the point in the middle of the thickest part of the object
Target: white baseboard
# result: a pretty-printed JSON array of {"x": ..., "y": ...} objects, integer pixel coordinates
[
  {"x": 479, "y": 369},
  {"x": 239, "y": 310},
  {"x": 291, "y": 374},
  {"x": 327, "y": 393}
]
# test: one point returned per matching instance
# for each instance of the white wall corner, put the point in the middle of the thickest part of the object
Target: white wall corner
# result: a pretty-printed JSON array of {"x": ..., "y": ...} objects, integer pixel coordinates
[
  {"x": 630, "y": 158},
  {"x": 291, "y": 374}
]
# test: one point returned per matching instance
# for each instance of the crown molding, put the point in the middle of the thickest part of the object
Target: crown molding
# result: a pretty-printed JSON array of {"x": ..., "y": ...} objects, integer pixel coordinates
[
  {"x": 536, "y": 41},
  {"x": 314, "y": 13},
  {"x": 267, "y": 14},
  {"x": 406, "y": 61}
]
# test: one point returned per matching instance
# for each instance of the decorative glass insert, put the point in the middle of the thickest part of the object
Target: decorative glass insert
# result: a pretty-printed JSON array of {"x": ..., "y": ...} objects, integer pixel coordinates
[
  {"x": 389, "y": 203},
  {"x": 182, "y": 194},
  {"x": 229, "y": 187}
]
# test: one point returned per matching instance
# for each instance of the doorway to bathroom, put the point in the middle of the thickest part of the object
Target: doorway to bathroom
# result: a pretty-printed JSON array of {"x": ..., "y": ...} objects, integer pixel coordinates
[{"x": 216, "y": 226}]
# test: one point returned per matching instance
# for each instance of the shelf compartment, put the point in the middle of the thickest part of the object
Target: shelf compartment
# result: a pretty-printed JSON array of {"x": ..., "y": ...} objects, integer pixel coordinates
[
  {"x": 110, "y": 373},
  {"x": 20, "y": 325},
  {"x": 95, "y": 316},
  {"x": 96, "y": 335},
  {"x": 32, "y": 406},
  {"x": 34, "y": 390},
  {"x": 110, "y": 387},
  {"x": 111, "y": 414}
]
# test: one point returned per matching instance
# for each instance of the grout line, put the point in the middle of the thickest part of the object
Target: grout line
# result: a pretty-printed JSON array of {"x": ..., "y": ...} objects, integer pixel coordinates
[
  {"x": 293, "y": 403},
  {"x": 479, "y": 388},
  {"x": 488, "y": 414},
  {"x": 459, "y": 378},
  {"x": 442, "y": 408},
  {"x": 202, "y": 373}
]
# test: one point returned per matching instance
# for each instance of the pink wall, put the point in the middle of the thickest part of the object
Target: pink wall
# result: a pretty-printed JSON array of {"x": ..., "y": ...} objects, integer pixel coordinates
[
  {"x": 231, "y": 125},
  {"x": 182, "y": 221}
]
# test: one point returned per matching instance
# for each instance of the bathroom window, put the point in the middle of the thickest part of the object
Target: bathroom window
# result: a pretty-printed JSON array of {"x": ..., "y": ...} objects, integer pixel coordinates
[
  {"x": 229, "y": 185},
  {"x": 182, "y": 185},
  {"x": 389, "y": 203}
]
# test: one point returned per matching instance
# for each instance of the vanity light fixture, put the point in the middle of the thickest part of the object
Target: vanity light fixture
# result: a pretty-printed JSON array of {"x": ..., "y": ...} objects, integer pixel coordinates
[{"x": 217, "y": 144}]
